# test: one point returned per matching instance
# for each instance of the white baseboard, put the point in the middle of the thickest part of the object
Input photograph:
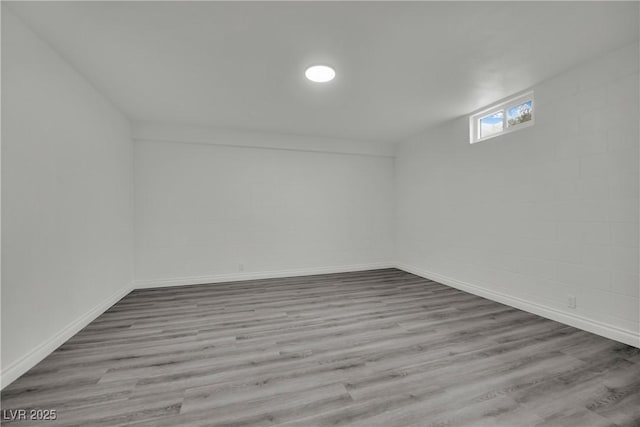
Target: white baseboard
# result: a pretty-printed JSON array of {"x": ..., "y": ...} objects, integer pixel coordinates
[
  {"x": 609, "y": 331},
  {"x": 274, "y": 274},
  {"x": 33, "y": 357}
]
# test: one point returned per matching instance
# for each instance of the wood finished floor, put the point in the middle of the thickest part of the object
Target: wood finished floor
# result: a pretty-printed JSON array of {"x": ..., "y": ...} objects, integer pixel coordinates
[{"x": 375, "y": 348}]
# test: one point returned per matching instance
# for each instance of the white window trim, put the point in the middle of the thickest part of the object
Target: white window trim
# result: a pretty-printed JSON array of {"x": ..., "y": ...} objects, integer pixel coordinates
[{"x": 474, "y": 119}]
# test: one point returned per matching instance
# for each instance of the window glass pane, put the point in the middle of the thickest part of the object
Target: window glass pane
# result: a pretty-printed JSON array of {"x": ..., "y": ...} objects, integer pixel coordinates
[
  {"x": 519, "y": 114},
  {"x": 491, "y": 124}
]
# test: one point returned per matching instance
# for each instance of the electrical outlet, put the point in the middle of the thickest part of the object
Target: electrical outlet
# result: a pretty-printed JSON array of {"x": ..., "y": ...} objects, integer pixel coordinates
[
  {"x": 240, "y": 267},
  {"x": 571, "y": 301}
]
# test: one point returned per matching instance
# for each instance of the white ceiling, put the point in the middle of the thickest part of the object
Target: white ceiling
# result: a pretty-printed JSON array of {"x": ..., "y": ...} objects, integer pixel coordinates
[{"x": 401, "y": 66}]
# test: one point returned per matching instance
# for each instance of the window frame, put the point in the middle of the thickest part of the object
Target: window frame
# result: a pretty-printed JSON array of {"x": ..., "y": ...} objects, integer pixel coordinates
[{"x": 504, "y": 106}]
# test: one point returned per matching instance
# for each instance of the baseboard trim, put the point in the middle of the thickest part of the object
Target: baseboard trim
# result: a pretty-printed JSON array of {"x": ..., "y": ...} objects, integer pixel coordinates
[
  {"x": 33, "y": 357},
  {"x": 580, "y": 322},
  {"x": 273, "y": 274}
]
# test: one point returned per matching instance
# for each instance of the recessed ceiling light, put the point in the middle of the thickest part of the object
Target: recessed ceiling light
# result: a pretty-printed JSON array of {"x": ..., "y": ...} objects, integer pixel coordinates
[{"x": 320, "y": 73}]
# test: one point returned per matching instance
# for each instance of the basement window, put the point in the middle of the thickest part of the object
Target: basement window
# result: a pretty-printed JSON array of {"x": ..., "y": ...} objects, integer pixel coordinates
[{"x": 505, "y": 117}]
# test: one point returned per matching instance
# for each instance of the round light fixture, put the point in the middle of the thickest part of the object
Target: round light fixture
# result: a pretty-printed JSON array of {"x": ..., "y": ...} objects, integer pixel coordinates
[{"x": 320, "y": 73}]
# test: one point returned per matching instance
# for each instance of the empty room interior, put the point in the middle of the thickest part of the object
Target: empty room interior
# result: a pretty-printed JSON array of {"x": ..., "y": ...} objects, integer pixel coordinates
[{"x": 375, "y": 214}]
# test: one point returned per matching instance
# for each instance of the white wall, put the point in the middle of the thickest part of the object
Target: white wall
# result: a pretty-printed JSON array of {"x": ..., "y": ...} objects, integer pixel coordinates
[
  {"x": 546, "y": 212},
  {"x": 204, "y": 210},
  {"x": 67, "y": 199}
]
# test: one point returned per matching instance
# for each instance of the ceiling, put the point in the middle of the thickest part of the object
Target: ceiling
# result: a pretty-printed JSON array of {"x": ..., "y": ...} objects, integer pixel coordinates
[{"x": 401, "y": 66}]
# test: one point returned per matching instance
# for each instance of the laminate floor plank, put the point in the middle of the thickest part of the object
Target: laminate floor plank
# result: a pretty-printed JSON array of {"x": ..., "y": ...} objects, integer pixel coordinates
[{"x": 372, "y": 348}]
